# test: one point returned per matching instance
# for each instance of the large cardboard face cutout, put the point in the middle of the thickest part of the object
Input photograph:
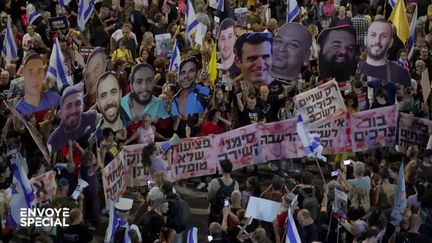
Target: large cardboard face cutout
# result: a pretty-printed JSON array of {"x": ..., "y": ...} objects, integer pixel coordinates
[
  {"x": 226, "y": 40},
  {"x": 291, "y": 48},
  {"x": 378, "y": 41},
  {"x": 34, "y": 99},
  {"x": 337, "y": 55},
  {"x": 75, "y": 123},
  {"x": 254, "y": 57},
  {"x": 96, "y": 66},
  {"x": 108, "y": 99}
]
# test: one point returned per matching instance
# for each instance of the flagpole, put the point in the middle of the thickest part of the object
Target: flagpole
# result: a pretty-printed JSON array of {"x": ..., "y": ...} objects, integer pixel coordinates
[
  {"x": 385, "y": 6},
  {"x": 320, "y": 170}
]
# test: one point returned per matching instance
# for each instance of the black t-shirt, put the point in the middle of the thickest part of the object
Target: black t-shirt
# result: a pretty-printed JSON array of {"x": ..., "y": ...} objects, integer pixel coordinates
[
  {"x": 411, "y": 237},
  {"x": 268, "y": 107},
  {"x": 138, "y": 20},
  {"x": 309, "y": 233},
  {"x": 248, "y": 116},
  {"x": 77, "y": 233},
  {"x": 156, "y": 224}
]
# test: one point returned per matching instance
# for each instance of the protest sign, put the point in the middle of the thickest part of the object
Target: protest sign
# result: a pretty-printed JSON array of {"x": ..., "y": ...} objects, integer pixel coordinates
[
  {"x": 240, "y": 146},
  {"x": 374, "y": 128},
  {"x": 262, "y": 209},
  {"x": 85, "y": 51},
  {"x": 58, "y": 23},
  {"x": 320, "y": 103},
  {"x": 333, "y": 134},
  {"x": 240, "y": 15},
  {"x": 413, "y": 131},
  {"x": 114, "y": 179},
  {"x": 279, "y": 140},
  {"x": 340, "y": 204},
  {"x": 194, "y": 157},
  {"x": 163, "y": 45},
  {"x": 44, "y": 186},
  {"x": 137, "y": 173}
]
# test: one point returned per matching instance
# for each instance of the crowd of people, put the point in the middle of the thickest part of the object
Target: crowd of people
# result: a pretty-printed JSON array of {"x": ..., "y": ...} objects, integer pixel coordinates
[{"x": 130, "y": 89}]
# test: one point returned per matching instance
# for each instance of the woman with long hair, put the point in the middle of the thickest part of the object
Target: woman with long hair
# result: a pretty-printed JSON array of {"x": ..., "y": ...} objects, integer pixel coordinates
[
  {"x": 219, "y": 101},
  {"x": 253, "y": 188},
  {"x": 154, "y": 163},
  {"x": 360, "y": 204}
]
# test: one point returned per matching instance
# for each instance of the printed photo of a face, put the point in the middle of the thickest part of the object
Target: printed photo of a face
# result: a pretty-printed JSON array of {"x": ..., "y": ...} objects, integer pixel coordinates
[
  {"x": 75, "y": 123},
  {"x": 96, "y": 66},
  {"x": 226, "y": 40},
  {"x": 337, "y": 55},
  {"x": 254, "y": 57},
  {"x": 378, "y": 41},
  {"x": 108, "y": 99},
  {"x": 291, "y": 48}
]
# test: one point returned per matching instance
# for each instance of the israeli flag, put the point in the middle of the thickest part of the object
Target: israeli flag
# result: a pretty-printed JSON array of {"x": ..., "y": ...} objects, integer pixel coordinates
[
  {"x": 292, "y": 235},
  {"x": 293, "y": 9},
  {"x": 85, "y": 10},
  {"x": 33, "y": 16},
  {"x": 392, "y": 3},
  {"x": 311, "y": 142},
  {"x": 191, "y": 21},
  {"x": 217, "y": 4},
  {"x": 64, "y": 3},
  {"x": 22, "y": 192},
  {"x": 9, "y": 50},
  {"x": 413, "y": 37},
  {"x": 192, "y": 235},
  {"x": 57, "y": 68},
  {"x": 175, "y": 59}
]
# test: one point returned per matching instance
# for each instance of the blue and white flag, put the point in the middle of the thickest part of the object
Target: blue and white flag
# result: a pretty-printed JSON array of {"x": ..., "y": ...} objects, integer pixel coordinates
[
  {"x": 191, "y": 21},
  {"x": 57, "y": 68},
  {"x": 293, "y": 9},
  {"x": 64, "y": 3},
  {"x": 9, "y": 51},
  {"x": 311, "y": 142},
  {"x": 175, "y": 59},
  {"x": 413, "y": 37},
  {"x": 113, "y": 224},
  {"x": 33, "y": 16},
  {"x": 85, "y": 10},
  {"x": 192, "y": 236},
  {"x": 217, "y": 4},
  {"x": 392, "y": 3},
  {"x": 292, "y": 235},
  {"x": 400, "y": 200},
  {"x": 22, "y": 192}
]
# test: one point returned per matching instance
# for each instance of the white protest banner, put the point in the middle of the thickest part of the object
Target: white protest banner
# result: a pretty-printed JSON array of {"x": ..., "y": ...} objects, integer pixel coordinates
[
  {"x": 320, "y": 103},
  {"x": 241, "y": 146},
  {"x": 114, "y": 179},
  {"x": 374, "y": 128},
  {"x": 193, "y": 157},
  {"x": 413, "y": 131},
  {"x": 44, "y": 186},
  {"x": 262, "y": 209},
  {"x": 279, "y": 140},
  {"x": 137, "y": 173},
  {"x": 333, "y": 134}
]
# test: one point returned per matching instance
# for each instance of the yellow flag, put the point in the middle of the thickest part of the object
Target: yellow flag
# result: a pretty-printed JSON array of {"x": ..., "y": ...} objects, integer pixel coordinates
[
  {"x": 399, "y": 18},
  {"x": 212, "y": 67}
]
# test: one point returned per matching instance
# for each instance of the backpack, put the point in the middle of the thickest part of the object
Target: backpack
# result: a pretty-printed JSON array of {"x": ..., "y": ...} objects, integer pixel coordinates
[
  {"x": 310, "y": 203},
  {"x": 181, "y": 214},
  {"x": 223, "y": 193}
]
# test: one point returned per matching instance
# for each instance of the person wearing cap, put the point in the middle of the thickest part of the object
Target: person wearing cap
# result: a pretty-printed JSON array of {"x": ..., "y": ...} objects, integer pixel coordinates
[
  {"x": 337, "y": 56},
  {"x": 291, "y": 48},
  {"x": 34, "y": 99},
  {"x": 75, "y": 123},
  {"x": 378, "y": 41},
  {"x": 123, "y": 206}
]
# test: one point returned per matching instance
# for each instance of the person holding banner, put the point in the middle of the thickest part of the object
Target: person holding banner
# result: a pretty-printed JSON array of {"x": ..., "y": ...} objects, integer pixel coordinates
[{"x": 34, "y": 99}]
